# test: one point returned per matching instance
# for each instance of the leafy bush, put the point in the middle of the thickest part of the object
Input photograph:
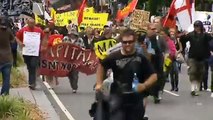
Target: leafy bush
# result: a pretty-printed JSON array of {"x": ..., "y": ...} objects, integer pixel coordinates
[{"x": 12, "y": 108}]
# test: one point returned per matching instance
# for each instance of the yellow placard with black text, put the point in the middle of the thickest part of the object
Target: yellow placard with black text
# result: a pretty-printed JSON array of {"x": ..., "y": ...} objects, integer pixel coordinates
[
  {"x": 39, "y": 20},
  {"x": 61, "y": 19},
  {"x": 95, "y": 20},
  {"x": 101, "y": 47}
]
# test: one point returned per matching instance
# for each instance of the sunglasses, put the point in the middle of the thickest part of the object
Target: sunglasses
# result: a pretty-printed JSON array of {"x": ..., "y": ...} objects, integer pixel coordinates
[{"x": 128, "y": 42}]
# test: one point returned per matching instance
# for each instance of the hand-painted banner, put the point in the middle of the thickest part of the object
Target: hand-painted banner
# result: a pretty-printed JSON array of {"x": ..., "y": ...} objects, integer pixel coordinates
[
  {"x": 62, "y": 58},
  {"x": 101, "y": 47}
]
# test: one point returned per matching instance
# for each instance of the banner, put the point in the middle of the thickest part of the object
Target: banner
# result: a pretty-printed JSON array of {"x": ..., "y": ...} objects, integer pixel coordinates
[
  {"x": 62, "y": 58},
  {"x": 139, "y": 20},
  {"x": 101, "y": 47},
  {"x": 95, "y": 20}
]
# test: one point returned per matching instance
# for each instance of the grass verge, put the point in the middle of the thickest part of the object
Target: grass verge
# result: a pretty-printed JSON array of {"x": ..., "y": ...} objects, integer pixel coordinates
[{"x": 13, "y": 108}]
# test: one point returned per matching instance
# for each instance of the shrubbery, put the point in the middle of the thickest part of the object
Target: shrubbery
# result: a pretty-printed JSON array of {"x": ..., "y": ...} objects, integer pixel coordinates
[{"x": 12, "y": 108}]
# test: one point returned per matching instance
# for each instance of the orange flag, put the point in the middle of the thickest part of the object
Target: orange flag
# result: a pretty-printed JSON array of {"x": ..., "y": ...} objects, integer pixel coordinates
[
  {"x": 81, "y": 12},
  {"x": 127, "y": 10}
]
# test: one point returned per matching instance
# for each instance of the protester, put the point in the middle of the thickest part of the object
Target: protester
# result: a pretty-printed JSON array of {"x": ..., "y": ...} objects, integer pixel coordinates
[
  {"x": 47, "y": 42},
  {"x": 96, "y": 34},
  {"x": 156, "y": 48},
  {"x": 174, "y": 73},
  {"x": 32, "y": 61},
  {"x": 127, "y": 64},
  {"x": 6, "y": 57},
  {"x": 73, "y": 37},
  {"x": 198, "y": 52},
  {"x": 171, "y": 55},
  {"x": 89, "y": 38}
]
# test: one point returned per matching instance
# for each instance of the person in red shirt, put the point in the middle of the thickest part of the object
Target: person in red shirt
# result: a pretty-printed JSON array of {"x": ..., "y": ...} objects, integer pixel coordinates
[{"x": 30, "y": 60}]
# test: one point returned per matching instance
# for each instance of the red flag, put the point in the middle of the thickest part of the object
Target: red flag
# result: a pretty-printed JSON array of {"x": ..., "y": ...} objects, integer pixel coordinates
[
  {"x": 127, "y": 10},
  {"x": 169, "y": 20},
  {"x": 81, "y": 12},
  {"x": 55, "y": 39}
]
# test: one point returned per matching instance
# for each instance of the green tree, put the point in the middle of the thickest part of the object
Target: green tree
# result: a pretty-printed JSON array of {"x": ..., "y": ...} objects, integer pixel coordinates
[{"x": 154, "y": 5}]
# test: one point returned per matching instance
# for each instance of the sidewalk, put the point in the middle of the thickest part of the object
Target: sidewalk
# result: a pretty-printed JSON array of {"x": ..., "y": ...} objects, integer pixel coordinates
[{"x": 37, "y": 97}]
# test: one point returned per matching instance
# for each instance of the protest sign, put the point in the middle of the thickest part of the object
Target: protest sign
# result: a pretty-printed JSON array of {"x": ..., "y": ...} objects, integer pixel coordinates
[
  {"x": 206, "y": 18},
  {"x": 32, "y": 42},
  {"x": 95, "y": 20},
  {"x": 62, "y": 58},
  {"x": 39, "y": 20},
  {"x": 101, "y": 47},
  {"x": 139, "y": 20},
  {"x": 61, "y": 19}
]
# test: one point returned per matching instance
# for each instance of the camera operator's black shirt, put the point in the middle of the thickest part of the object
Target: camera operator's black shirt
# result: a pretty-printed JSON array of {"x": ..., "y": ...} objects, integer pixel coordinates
[{"x": 124, "y": 67}]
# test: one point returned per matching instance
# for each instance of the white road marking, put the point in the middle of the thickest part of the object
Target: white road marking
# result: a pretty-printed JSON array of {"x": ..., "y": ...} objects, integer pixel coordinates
[
  {"x": 171, "y": 93},
  {"x": 58, "y": 101}
]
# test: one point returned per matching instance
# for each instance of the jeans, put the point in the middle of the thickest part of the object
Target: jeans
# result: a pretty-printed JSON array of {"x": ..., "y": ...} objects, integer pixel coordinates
[
  {"x": 14, "y": 52},
  {"x": 121, "y": 107},
  {"x": 174, "y": 75},
  {"x": 126, "y": 107},
  {"x": 73, "y": 78},
  {"x": 32, "y": 65},
  {"x": 6, "y": 70}
]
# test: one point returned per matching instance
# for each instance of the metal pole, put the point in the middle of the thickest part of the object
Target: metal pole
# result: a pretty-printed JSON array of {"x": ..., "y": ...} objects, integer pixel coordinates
[
  {"x": 44, "y": 5},
  {"x": 101, "y": 6}
]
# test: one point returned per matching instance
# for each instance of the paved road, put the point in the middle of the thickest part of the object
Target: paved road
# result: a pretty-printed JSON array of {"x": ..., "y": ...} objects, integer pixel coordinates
[{"x": 182, "y": 107}]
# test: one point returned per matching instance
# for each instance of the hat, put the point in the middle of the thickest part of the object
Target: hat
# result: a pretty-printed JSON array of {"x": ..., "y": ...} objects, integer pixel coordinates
[
  {"x": 29, "y": 14},
  {"x": 3, "y": 23},
  {"x": 73, "y": 32},
  {"x": 198, "y": 23}
]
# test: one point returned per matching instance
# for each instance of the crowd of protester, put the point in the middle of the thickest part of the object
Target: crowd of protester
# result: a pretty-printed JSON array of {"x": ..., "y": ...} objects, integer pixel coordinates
[{"x": 164, "y": 48}]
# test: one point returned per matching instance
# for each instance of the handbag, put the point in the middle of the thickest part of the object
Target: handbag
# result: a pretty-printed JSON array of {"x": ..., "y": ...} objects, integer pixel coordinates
[{"x": 180, "y": 58}]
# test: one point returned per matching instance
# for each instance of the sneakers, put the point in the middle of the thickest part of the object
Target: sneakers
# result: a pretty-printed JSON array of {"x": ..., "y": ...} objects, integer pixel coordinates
[
  {"x": 145, "y": 118},
  {"x": 32, "y": 87},
  {"x": 74, "y": 91},
  {"x": 156, "y": 100},
  {"x": 193, "y": 93},
  {"x": 212, "y": 95}
]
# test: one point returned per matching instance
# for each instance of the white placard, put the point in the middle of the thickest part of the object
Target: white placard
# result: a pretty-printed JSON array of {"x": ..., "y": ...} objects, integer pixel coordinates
[{"x": 32, "y": 42}]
